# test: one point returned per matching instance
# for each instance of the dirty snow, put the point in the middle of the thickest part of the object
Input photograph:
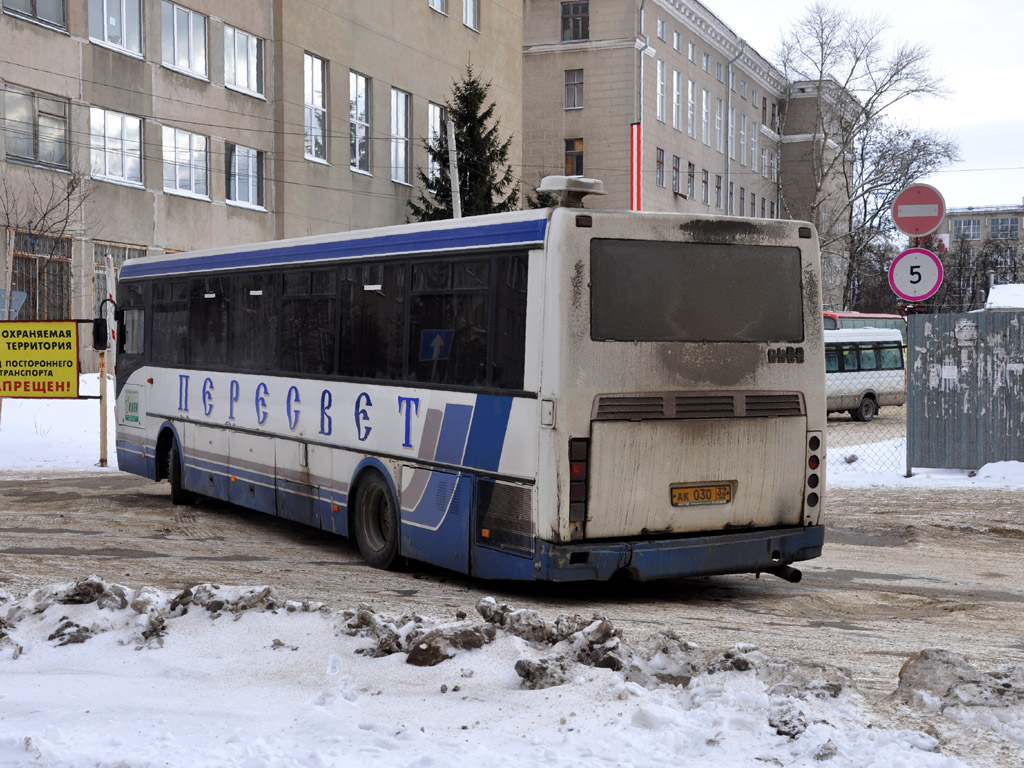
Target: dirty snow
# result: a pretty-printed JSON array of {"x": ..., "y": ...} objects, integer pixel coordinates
[{"x": 100, "y": 674}]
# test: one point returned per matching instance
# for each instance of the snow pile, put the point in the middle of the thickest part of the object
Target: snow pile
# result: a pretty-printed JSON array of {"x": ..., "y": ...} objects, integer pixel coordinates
[
  {"x": 1006, "y": 297},
  {"x": 101, "y": 674}
]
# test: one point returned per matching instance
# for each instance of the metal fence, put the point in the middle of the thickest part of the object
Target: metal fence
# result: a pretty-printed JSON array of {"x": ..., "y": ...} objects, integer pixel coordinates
[{"x": 868, "y": 438}]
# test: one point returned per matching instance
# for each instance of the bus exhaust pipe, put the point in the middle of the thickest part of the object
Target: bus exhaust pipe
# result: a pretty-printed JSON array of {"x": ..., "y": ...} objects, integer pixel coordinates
[{"x": 786, "y": 572}]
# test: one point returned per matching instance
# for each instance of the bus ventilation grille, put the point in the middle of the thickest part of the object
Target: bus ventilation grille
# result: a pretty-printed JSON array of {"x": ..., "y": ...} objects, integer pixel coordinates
[
  {"x": 697, "y": 405},
  {"x": 504, "y": 516}
]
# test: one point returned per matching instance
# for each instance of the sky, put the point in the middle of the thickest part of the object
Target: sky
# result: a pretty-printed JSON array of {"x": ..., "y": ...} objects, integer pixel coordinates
[
  {"x": 96, "y": 673},
  {"x": 975, "y": 46}
]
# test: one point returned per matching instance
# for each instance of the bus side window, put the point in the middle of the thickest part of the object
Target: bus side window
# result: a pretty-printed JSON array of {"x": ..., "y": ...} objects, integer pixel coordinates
[
  {"x": 831, "y": 360},
  {"x": 850, "y": 359},
  {"x": 891, "y": 358},
  {"x": 133, "y": 337},
  {"x": 868, "y": 359}
]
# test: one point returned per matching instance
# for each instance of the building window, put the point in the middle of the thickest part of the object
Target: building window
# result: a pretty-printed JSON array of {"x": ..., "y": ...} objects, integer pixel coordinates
[
  {"x": 659, "y": 167},
  {"x": 676, "y": 180},
  {"x": 574, "y": 89},
  {"x": 400, "y": 101},
  {"x": 36, "y": 127},
  {"x": 435, "y": 128},
  {"x": 704, "y": 187},
  {"x": 661, "y": 90},
  {"x": 743, "y": 88},
  {"x": 117, "y": 23},
  {"x": 743, "y": 139},
  {"x": 691, "y": 52},
  {"x": 471, "y": 13},
  {"x": 753, "y": 148},
  {"x": 764, "y": 162},
  {"x": 1005, "y": 229},
  {"x": 439, "y": 5},
  {"x": 244, "y": 169},
  {"x": 185, "y": 163},
  {"x": 47, "y": 11},
  {"x": 574, "y": 156},
  {"x": 966, "y": 229},
  {"x": 115, "y": 142},
  {"x": 41, "y": 267},
  {"x": 775, "y": 168},
  {"x": 184, "y": 39},
  {"x": 718, "y": 191},
  {"x": 732, "y": 132},
  {"x": 117, "y": 254},
  {"x": 359, "y": 122},
  {"x": 243, "y": 60},
  {"x": 314, "y": 100},
  {"x": 691, "y": 174},
  {"x": 691, "y": 109},
  {"x": 677, "y": 100},
  {"x": 314, "y": 104},
  {"x": 753, "y": 205},
  {"x": 743, "y": 201},
  {"x": 677, "y": 41},
  {"x": 705, "y": 127},
  {"x": 575, "y": 21},
  {"x": 771, "y": 212},
  {"x": 719, "y": 108},
  {"x": 754, "y": 96},
  {"x": 763, "y": 201},
  {"x": 706, "y": 62},
  {"x": 719, "y": 72},
  {"x": 730, "y": 209},
  {"x": 661, "y": 29}
]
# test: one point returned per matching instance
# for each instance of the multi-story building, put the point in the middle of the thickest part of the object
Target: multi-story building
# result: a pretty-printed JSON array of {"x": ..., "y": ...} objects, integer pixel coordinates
[
  {"x": 708, "y": 104},
  {"x": 146, "y": 126},
  {"x": 985, "y": 247}
]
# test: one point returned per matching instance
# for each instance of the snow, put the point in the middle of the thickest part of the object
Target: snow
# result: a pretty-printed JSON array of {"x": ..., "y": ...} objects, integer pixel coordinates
[
  {"x": 1006, "y": 297},
  {"x": 100, "y": 674}
]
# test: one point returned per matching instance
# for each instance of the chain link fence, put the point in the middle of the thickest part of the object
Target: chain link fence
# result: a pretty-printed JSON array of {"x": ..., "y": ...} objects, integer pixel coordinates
[{"x": 866, "y": 388}]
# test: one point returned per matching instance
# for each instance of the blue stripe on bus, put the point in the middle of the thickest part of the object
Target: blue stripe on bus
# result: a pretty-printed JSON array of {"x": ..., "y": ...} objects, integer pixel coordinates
[
  {"x": 454, "y": 428},
  {"x": 487, "y": 432},
  {"x": 521, "y": 233}
]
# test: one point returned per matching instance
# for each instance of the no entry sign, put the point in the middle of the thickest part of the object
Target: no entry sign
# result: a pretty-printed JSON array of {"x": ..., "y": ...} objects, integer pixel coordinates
[
  {"x": 915, "y": 275},
  {"x": 918, "y": 210}
]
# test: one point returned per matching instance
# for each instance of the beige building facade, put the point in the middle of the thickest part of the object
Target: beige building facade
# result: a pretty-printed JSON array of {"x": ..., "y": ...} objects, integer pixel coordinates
[
  {"x": 149, "y": 126},
  {"x": 708, "y": 104}
]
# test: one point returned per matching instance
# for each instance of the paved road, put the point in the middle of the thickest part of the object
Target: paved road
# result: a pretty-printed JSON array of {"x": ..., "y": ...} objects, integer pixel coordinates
[{"x": 902, "y": 571}]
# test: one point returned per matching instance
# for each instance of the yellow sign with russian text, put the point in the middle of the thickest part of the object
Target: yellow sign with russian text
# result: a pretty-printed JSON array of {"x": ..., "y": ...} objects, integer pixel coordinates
[{"x": 39, "y": 359}]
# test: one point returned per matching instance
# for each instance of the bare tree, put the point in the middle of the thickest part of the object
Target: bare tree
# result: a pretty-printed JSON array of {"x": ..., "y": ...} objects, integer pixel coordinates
[{"x": 844, "y": 80}]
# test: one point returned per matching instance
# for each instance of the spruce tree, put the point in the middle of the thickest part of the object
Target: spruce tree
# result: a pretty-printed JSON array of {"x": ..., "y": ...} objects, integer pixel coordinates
[{"x": 486, "y": 181}]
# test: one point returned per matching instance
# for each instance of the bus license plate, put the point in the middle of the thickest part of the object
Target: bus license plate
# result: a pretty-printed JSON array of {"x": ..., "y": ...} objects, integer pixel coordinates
[{"x": 699, "y": 495}]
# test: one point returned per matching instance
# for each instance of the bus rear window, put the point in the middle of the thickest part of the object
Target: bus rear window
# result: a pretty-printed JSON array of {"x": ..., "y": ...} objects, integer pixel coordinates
[{"x": 658, "y": 291}]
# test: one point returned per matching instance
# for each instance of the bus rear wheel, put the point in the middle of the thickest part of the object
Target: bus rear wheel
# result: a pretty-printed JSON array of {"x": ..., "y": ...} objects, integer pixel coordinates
[
  {"x": 178, "y": 494},
  {"x": 865, "y": 411},
  {"x": 375, "y": 521}
]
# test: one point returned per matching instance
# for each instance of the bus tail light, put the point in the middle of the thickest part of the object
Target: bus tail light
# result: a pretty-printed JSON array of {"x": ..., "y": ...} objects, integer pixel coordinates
[
  {"x": 579, "y": 455},
  {"x": 812, "y": 476}
]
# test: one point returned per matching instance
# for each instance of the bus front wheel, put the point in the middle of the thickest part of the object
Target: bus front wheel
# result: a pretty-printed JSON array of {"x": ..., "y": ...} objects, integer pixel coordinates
[
  {"x": 865, "y": 411},
  {"x": 375, "y": 522},
  {"x": 178, "y": 494}
]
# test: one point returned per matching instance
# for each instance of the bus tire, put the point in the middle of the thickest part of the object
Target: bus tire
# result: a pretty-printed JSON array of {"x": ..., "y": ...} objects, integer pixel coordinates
[
  {"x": 178, "y": 494},
  {"x": 375, "y": 521},
  {"x": 866, "y": 410}
]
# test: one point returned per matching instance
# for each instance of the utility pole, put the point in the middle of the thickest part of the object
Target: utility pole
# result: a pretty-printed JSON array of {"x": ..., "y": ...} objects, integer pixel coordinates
[{"x": 453, "y": 172}]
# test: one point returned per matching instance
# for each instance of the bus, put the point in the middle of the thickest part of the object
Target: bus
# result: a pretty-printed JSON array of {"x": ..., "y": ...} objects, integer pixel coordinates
[
  {"x": 865, "y": 368},
  {"x": 560, "y": 394},
  {"x": 834, "y": 320}
]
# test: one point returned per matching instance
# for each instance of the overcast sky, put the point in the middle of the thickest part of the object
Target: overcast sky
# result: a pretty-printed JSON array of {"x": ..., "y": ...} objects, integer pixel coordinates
[{"x": 977, "y": 46}]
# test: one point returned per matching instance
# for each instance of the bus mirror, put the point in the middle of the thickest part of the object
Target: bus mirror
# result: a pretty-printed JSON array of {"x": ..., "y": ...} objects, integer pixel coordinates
[{"x": 100, "y": 336}]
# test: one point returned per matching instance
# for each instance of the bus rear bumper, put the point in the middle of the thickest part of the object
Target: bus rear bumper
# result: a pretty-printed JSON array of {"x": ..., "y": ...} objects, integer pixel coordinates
[{"x": 720, "y": 553}]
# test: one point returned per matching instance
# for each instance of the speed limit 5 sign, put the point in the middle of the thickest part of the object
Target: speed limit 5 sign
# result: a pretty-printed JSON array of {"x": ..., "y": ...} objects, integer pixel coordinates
[{"x": 915, "y": 275}]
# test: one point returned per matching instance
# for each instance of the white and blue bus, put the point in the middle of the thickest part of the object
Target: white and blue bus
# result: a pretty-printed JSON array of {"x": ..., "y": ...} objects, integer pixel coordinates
[{"x": 561, "y": 394}]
